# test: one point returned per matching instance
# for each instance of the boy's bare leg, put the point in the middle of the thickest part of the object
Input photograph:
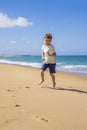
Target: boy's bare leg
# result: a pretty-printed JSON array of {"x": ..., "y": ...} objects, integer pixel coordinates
[
  {"x": 53, "y": 79},
  {"x": 42, "y": 77}
]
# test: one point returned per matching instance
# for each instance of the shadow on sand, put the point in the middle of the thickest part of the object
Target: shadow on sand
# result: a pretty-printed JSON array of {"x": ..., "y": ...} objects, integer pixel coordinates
[{"x": 68, "y": 89}]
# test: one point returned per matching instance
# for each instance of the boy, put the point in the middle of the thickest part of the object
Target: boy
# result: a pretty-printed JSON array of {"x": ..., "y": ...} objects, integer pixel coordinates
[{"x": 48, "y": 58}]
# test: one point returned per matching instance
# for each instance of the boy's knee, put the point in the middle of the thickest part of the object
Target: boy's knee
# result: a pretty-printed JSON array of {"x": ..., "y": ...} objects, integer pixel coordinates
[{"x": 42, "y": 71}]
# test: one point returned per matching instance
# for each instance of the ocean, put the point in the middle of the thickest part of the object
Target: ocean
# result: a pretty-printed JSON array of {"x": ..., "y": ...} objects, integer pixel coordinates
[{"x": 73, "y": 64}]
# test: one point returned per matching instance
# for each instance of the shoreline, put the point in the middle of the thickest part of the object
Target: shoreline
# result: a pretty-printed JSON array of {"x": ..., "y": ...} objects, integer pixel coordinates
[
  {"x": 74, "y": 65},
  {"x": 57, "y": 71}
]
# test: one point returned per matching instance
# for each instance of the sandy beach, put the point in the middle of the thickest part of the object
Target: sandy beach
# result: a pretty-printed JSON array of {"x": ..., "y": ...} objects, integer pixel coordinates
[{"x": 25, "y": 105}]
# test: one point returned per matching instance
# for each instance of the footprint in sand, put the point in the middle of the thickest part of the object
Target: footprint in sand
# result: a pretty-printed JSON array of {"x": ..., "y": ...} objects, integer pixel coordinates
[
  {"x": 41, "y": 119},
  {"x": 17, "y": 105},
  {"x": 28, "y": 87},
  {"x": 13, "y": 96},
  {"x": 7, "y": 122},
  {"x": 10, "y": 90}
]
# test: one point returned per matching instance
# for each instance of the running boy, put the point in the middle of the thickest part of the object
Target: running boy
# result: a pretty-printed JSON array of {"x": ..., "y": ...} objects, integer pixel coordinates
[{"x": 48, "y": 58}]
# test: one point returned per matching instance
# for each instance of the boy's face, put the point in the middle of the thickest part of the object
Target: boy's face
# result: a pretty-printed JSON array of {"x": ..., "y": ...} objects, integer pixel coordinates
[{"x": 47, "y": 41}]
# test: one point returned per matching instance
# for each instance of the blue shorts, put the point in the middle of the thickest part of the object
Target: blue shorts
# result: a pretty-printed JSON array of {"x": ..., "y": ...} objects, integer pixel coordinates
[{"x": 51, "y": 67}]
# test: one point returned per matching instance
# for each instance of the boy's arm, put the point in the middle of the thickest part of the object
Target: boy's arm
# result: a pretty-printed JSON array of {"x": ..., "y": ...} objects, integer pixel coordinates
[{"x": 43, "y": 55}]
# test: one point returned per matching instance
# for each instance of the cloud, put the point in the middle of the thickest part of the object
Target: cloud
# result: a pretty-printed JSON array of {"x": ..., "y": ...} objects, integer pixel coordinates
[
  {"x": 12, "y": 42},
  {"x": 6, "y": 22}
]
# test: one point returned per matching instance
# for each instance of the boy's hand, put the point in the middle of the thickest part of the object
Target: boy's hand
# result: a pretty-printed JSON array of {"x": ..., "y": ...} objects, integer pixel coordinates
[
  {"x": 43, "y": 58},
  {"x": 53, "y": 54},
  {"x": 48, "y": 53}
]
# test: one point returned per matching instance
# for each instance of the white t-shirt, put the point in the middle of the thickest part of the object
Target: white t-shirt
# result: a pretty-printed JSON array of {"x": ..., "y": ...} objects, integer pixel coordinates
[{"x": 48, "y": 59}]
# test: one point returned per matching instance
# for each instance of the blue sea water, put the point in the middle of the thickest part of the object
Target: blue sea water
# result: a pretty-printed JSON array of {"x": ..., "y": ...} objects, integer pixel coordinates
[{"x": 76, "y": 64}]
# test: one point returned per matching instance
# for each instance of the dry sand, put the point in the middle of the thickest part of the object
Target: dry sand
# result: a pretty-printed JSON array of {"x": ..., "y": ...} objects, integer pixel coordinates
[{"x": 25, "y": 105}]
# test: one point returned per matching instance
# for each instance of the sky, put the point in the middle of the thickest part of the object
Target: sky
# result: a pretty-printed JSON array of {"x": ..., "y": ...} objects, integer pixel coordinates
[{"x": 23, "y": 24}]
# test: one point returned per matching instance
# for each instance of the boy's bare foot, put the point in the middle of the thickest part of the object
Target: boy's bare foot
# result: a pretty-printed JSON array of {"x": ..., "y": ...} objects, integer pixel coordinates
[
  {"x": 54, "y": 84},
  {"x": 41, "y": 82}
]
